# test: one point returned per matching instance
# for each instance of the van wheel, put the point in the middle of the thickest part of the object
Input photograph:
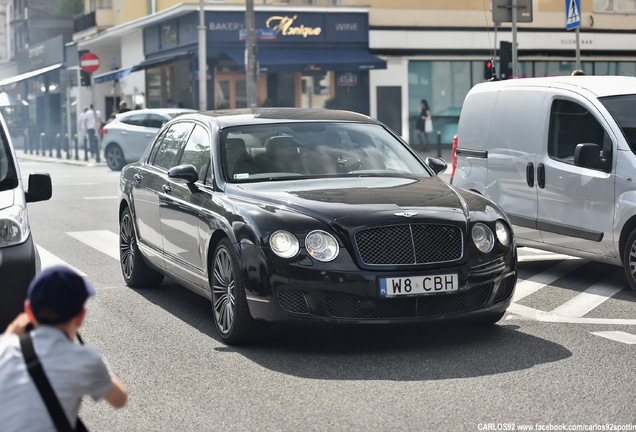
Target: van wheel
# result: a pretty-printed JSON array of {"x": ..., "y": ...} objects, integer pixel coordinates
[{"x": 629, "y": 260}]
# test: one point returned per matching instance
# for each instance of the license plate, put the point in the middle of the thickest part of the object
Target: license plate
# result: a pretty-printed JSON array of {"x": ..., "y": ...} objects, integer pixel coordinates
[{"x": 418, "y": 285}]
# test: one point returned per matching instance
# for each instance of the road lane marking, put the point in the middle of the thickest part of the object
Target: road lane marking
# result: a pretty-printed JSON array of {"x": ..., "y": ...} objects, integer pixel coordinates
[
  {"x": 546, "y": 277},
  {"x": 539, "y": 315},
  {"x": 617, "y": 336},
  {"x": 528, "y": 254},
  {"x": 47, "y": 259},
  {"x": 104, "y": 241},
  {"x": 592, "y": 297}
]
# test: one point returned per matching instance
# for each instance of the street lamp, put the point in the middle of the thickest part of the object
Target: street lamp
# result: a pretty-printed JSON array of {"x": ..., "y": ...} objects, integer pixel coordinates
[{"x": 203, "y": 63}]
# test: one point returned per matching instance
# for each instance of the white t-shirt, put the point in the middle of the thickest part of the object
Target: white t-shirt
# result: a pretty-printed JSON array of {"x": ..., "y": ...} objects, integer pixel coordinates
[
  {"x": 73, "y": 371},
  {"x": 89, "y": 118}
]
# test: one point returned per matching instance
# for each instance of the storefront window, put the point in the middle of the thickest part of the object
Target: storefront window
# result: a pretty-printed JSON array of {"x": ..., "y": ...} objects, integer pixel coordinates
[{"x": 316, "y": 89}]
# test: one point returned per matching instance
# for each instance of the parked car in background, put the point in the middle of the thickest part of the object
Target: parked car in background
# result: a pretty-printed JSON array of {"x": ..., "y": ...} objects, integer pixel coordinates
[
  {"x": 126, "y": 137},
  {"x": 19, "y": 259},
  {"x": 310, "y": 215}
]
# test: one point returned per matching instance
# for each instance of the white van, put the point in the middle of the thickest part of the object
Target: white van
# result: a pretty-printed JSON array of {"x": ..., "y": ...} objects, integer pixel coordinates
[{"x": 559, "y": 155}]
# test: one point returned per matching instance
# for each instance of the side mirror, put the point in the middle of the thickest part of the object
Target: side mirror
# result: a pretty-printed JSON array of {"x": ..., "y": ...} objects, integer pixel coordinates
[
  {"x": 39, "y": 188},
  {"x": 186, "y": 172},
  {"x": 438, "y": 165},
  {"x": 587, "y": 155}
]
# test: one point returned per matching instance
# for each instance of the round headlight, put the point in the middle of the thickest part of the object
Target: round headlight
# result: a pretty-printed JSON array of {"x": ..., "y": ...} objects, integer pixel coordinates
[
  {"x": 483, "y": 237},
  {"x": 284, "y": 244},
  {"x": 322, "y": 246},
  {"x": 502, "y": 233}
]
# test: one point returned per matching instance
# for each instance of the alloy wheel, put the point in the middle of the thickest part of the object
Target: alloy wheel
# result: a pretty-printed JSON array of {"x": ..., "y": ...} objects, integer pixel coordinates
[
  {"x": 223, "y": 291},
  {"x": 127, "y": 246}
]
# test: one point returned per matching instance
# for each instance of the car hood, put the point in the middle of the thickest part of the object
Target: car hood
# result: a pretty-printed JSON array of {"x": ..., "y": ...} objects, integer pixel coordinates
[{"x": 352, "y": 200}]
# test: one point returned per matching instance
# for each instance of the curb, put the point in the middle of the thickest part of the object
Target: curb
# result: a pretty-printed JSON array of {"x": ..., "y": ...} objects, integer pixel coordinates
[{"x": 62, "y": 160}]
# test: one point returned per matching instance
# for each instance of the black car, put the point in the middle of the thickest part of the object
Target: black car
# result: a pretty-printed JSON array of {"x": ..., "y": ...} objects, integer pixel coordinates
[
  {"x": 19, "y": 259},
  {"x": 286, "y": 214}
]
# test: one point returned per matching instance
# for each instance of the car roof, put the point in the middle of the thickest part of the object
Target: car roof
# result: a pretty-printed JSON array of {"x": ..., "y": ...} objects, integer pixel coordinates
[
  {"x": 245, "y": 116},
  {"x": 599, "y": 85},
  {"x": 160, "y": 111}
]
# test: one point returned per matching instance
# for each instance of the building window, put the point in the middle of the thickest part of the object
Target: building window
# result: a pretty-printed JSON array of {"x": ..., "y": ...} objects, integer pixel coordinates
[{"x": 617, "y": 6}]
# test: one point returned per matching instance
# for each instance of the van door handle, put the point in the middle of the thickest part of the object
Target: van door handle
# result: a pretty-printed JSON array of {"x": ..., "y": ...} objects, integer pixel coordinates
[
  {"x": 541, "y": 176},
  {"x": 530, "y": 174},
  {"x": 167, "y": 188}
]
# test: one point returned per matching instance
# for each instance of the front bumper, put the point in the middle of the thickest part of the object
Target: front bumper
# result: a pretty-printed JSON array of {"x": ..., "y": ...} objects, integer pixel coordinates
[
  {"x": 18, "y": 265},
  {"x": 308, "y": 294}
]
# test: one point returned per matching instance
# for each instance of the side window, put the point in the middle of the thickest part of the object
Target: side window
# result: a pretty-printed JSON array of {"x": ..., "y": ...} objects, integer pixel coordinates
[
  {"x": 135, "y": 120},
  {"x": 154, "y": 121},
  {"x": 197, "y": 151},
  {"x": 167, "y": 149},
  {"x": 572, "y": 124}
]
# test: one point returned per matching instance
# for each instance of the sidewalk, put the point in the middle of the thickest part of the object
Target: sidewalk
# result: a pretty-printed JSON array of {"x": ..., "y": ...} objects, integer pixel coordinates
[{"x": 45, "y": 157}]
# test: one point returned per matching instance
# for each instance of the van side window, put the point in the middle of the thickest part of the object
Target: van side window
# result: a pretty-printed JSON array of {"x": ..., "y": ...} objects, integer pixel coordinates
[{"x": 571, "y": 124}]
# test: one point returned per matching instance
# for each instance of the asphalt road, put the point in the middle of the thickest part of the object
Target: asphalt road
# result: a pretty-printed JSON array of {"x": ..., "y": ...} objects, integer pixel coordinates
[{"x": 540, "y": 366}]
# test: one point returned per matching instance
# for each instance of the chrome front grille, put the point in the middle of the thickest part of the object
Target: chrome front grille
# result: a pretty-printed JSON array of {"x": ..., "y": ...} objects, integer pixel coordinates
[{"x": 410, "y": 244}]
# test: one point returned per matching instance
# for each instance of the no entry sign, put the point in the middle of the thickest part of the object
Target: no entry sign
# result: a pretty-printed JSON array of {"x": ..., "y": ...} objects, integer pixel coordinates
[{"x": 89, "y": 62}]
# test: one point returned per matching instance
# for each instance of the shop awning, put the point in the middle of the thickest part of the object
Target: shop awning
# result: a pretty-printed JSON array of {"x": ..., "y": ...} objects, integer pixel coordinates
[
  {"x": 159, "y": 61},
  {"x": 283, "y": 60},
  {"x": 112, "y": 75},
  {"x": 31, "y": 74}
]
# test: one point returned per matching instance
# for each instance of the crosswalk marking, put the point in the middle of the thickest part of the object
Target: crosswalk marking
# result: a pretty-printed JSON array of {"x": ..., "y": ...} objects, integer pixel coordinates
[
  {"x": 546, "y": 277},
  {"x": 592, "y": 297},
  {"x": 104, "y": 241},
  {"x": 47, "y": 259},
  {"x": 617, "y": 336}
]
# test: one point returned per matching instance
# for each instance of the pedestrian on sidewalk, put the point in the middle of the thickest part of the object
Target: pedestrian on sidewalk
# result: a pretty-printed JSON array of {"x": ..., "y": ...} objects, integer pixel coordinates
[
  {"x": 55, "y": 309},
  {"x": 424, "y": 124}
]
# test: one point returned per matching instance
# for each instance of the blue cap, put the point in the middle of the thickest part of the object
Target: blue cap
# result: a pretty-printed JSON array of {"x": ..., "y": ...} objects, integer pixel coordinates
[{"x": 58, "y": 294}]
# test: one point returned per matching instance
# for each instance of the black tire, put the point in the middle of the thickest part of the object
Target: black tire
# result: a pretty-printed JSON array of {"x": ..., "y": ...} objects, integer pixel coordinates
[
  {"x": 629, "y": 260},
  {"x": 136, "y": 272},
  {"x": 232, "y": 317},
  {"x": 114, "y": 157}
]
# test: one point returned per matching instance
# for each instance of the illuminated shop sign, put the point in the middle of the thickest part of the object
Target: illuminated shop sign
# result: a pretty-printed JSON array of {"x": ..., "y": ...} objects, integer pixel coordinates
[{"x": 294, "y": 27}]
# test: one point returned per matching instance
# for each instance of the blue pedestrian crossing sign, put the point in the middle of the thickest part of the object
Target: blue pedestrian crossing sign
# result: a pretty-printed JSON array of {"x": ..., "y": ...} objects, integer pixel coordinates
[{"x": 572, "y": 14}]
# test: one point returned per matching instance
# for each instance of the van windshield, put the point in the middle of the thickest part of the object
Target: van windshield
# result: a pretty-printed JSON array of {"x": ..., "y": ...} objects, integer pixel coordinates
[
  {"x": 8, "y": 174},
  {"x": 623, "y": 109}
]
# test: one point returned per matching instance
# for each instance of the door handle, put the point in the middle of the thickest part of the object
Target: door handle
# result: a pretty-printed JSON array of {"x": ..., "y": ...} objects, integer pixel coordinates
[
  {"x": 541, "y": 176},
  {"x": 167, "y": 188},
  {"x": 138, "y": 178},
  {"x": 530, "y": 174}
]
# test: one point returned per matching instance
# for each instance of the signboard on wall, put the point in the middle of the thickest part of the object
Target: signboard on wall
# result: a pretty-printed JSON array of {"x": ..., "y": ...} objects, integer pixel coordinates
[{"x": 502, "y": 10}]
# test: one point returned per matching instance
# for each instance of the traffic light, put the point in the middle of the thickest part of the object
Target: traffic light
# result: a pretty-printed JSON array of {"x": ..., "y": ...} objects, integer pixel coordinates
[
  {"x": 85, "y": 78},
  {"x": 489, "y": 70},
  {"x": 505, "y": 59}
]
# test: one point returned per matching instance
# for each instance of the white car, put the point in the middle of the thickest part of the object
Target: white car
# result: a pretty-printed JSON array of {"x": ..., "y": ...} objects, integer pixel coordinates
[{"x": 126, "y": 137}]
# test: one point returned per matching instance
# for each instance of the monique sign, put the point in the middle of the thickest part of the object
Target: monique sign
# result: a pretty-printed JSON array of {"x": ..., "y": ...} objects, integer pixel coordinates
[{"x": 284, "y": 25}]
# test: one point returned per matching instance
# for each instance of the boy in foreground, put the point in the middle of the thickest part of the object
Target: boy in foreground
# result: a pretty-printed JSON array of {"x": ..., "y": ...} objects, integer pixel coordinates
[{"x": 55, "y": 308}]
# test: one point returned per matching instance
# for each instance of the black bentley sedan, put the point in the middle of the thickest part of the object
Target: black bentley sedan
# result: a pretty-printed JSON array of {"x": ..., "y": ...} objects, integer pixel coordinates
[{"x": 286, "y": 214}]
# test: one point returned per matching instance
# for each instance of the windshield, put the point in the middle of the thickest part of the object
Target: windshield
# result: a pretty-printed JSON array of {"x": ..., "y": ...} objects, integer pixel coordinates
[
  {"x": 310, "y": 150},
  {"x": 8, "y": 175},
  {"x": 623, "y": 109}
]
